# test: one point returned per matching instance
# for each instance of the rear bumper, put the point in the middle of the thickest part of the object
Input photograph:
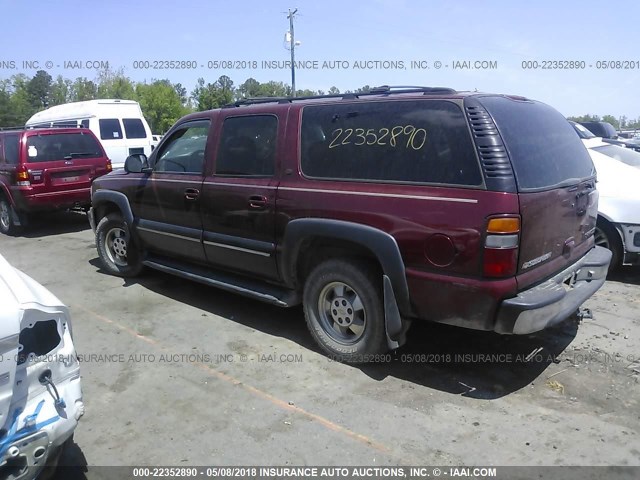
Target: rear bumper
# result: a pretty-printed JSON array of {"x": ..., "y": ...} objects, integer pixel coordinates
[
  {"x": 631, "y": 235},
  {"x": 39, "y": 430},
  {"x": 556, "y": 299},
  {"x": 30, "y": 201}
]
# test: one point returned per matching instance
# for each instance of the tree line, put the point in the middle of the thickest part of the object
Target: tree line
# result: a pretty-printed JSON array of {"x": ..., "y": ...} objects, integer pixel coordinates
[
  {"x": 622, "y": 123},
  {"x": 162, "y": 101}
]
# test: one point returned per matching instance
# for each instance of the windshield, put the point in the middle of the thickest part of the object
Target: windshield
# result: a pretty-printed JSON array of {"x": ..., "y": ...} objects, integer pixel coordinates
[
  {"x": 621, "y": 154},
  {"x": 62, "y": 146},
  {"x": 583, "y": 132}
]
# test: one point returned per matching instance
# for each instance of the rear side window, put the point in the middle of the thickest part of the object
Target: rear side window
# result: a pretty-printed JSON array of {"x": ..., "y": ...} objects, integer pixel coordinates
[
  {"x": 133, "y": 128},
  {"x": 11, "y": 148},
  {"x": 62, "y": 146},
  {"x": 543, "y": 147},
  {"x": 247, "y": 146},
  {"x": 400, "y": 141},
  {"x": 110, "y": 129}
]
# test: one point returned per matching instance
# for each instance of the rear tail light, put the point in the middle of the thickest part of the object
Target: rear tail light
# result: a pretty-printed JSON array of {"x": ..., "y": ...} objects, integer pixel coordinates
[
  {"x": 109, "y": 166},
  {"x": 22, "y": 176},
  {"x": 501, "y": 247}
]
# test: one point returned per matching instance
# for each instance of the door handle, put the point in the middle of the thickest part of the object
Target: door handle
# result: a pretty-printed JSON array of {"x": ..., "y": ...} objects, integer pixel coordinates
[
  {"x": 191, "y": 194},
  {"x": 258, "y": 202}
]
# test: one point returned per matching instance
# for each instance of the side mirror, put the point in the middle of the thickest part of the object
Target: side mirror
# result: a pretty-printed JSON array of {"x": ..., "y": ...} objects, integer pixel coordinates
[{"x": 135, "y": 163}]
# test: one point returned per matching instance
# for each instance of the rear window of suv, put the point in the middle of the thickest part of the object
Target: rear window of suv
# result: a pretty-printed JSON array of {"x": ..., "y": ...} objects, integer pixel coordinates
[
  {"x": 424, "y": 141},
  {"x": 543, "y": 147},
  {"x": 62, "y": 146}
]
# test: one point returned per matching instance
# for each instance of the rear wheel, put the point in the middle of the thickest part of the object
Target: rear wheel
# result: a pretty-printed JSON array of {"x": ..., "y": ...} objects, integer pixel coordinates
[
  {"x": 117, "y": 250},
  {"x": 607, "y": 236},
  {"x": 344, "y": 310},
  {"x": 7, "y": 225}
]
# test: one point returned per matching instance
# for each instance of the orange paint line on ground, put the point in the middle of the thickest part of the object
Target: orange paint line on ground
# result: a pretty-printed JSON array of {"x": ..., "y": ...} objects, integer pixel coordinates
[{"x": 253, "y": 390}]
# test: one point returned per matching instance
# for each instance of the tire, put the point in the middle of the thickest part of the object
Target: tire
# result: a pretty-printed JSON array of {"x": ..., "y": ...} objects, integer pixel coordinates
[
  {"x": 117, "y": 251},
  {"x": 607, "y": 236},
  {"x": 7, "y": 225},
  {"x": 355, "y": 328}
]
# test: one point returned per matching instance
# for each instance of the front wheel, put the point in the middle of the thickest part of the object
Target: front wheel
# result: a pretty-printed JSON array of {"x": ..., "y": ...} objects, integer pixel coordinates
[
  {"x": 116, "y": 248},
  {"x": 344, "y": 310}
]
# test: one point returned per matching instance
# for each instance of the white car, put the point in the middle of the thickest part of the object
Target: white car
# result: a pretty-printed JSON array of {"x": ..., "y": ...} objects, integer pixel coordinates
[
  {"x": 618, "y": 226},
  {"x": 622, "y": 154},
  {"x": 40, "y": 392}
]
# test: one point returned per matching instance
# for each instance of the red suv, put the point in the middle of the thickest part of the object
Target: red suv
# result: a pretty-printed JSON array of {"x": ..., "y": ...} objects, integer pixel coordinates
[
  {"x": 371, "y": 210},
  {"x": 46, "y": 169}
]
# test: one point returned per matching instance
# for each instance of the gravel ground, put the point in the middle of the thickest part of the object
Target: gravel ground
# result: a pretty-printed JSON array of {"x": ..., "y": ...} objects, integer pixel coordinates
[{"x": 176, "y": 373}]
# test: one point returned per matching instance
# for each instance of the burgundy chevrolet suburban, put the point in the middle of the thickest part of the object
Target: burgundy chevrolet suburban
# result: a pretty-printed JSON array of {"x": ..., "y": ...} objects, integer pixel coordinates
[{"x": 372, "y": 210}]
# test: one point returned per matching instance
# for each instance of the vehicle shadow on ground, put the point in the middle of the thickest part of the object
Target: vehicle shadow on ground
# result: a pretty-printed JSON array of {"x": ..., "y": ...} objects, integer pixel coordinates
[
  {"x": 55, "y": 223},
  {"x": 72, "y": 465},
  {"x": 629, "y": 275},
  {"x": 476, "y": 364},
  {"x": 482, "y": 365}
]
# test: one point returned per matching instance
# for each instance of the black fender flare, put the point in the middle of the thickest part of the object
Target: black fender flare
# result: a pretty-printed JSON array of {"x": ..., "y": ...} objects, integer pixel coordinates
[
  {"x": 7, "y": 192},
  {"x": 382, "y": 245},
  {"x": 101, "y": 197}
]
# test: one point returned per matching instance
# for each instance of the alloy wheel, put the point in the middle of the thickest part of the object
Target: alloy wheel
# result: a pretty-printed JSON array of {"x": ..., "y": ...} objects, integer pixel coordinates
[
  {"x": 116, "y": 246},
  {"x": 342, "y": 313}
]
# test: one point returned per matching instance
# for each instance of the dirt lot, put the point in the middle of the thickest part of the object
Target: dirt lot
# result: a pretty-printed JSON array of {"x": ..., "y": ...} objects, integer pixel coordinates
[{"x": 176, "y": 373}]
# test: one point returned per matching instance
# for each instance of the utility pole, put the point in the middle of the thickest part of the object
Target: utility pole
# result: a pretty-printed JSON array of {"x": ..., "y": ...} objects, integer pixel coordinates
[{"x": 292, "y": 45}]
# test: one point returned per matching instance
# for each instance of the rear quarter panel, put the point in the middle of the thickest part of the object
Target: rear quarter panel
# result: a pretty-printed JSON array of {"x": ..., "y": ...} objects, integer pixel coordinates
[{"x": 439, "y": 231}]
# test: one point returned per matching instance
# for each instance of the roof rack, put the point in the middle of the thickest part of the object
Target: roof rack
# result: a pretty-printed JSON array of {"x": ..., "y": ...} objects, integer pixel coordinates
[
  {"x": 381, "y": 90},
  {"x": 38, "y": 126},
  {"x": 256, "y": 100},
  {"x": 410, "y": 89}
]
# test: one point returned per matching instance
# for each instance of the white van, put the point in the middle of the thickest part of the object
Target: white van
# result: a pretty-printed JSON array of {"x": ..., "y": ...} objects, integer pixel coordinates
[{"x": 119, "y": 124}]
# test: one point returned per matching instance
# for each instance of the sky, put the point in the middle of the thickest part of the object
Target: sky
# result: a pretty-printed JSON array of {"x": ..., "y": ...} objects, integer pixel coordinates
[{"x": 345, "y": 34}]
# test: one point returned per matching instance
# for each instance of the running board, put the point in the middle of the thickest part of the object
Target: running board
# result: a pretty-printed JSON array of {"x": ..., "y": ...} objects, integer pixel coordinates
[{"x": 227, "y": 281}]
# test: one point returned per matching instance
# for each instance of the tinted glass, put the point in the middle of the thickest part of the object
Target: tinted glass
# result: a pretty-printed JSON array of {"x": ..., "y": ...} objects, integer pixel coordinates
[
  {"x": 619, "y": 153},
  {"x": 582, "y": 131},
  {"x": 418, "y": 141},
  {"x": 543, "y": 147},
  {"x": 601, "y": 129},
  {"x": 247, "y": 146},
  {"x": 62, "y": 146},
  {"x": 110, "y": 129},
  {"x": 11, "y": 149},
  {"x": 85, "y": 123},
  {"x": 133, "y": 128},
  {"x": 184, "y": 151}
]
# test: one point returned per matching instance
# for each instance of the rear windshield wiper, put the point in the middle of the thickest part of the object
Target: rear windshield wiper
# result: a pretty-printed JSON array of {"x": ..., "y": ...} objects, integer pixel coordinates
[{"x": 79, "y": 154}]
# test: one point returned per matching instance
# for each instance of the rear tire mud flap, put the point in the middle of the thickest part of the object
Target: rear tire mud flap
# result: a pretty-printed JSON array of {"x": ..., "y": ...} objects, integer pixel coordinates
[{"x": 395, "y": 326}]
